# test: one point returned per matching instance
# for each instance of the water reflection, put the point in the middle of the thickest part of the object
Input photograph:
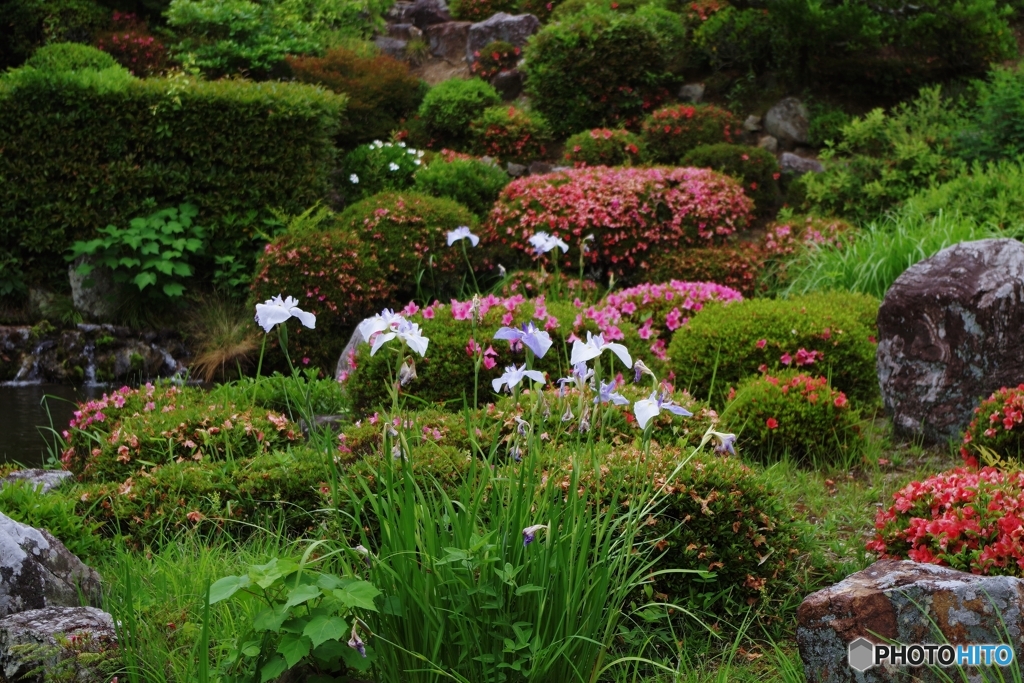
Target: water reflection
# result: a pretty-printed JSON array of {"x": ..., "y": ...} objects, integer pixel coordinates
[{"x": 23, "y": 414}]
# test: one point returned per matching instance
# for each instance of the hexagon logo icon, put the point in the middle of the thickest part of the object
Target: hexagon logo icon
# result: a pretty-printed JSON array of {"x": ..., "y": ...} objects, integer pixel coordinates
[{"x": 861, "y": 654}]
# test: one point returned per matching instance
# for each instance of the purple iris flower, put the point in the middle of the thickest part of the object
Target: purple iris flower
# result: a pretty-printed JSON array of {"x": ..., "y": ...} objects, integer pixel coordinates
[
  {"x": 606, "y": 395},
  {"x": 530, "y": 533},
  {"x": 649, "y": 408},
  {"x": 725, "y": 443},
  {"x": 536, "y": 340}
]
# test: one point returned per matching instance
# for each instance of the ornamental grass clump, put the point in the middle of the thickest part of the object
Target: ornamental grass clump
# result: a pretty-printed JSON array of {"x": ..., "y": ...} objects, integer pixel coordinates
[
  {"x": 964, "y": 518},
  {"x": 997, "y": 427},
  {"x": 797, "y": 415},
  {"x": 632, "y": 213},
  {"x": 604, "y": 147},
  {"x": 830, "y": 335},
  {"x": 671, "y": 132}
]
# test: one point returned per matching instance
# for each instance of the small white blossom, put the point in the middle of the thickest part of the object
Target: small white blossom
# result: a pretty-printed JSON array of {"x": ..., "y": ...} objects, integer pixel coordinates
[
  {"x": 354, "y": 179},
  {"x": 277, "y": 310},
  {"x": 393, "y": 166}
]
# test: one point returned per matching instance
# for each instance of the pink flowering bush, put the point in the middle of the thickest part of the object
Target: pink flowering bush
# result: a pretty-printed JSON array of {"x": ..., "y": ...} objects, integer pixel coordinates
[
  {"x": 784, "y": 239},
  {"x": 796, "y": 414},
  {"x": 657, "y": 310},
  {"x": 603, "y": 147},
  {"x": 632, "y": 213},
  {"x": 130, "y": 43},
  {"x": 998, "y": 426},
  {"x": 965, "y": 518},
  {"x": 129, "y": 430},
  {"x": 462, "y": 338}
]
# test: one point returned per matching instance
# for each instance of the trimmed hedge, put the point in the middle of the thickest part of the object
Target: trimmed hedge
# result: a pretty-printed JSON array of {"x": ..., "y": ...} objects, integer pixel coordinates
[
  {"x": 82, "y": 150},
  {"x": 726, "y": 344}
]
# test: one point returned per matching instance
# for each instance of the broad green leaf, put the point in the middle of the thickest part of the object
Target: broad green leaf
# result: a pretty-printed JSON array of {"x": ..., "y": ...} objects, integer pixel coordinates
[
  {"x": 356, "y": 661},
  {"x": 528, "y": 588},
  {"x": 226, "y": 587},
  {"x": 143, "y": 280},
  {"x": 251, "y": 648},
  {"x": 164, "y": 267},
  {"x": 150, "y": 249},
  {"x": 264, "y": 575},
  {"x": 358, "y": 594},
  {"x": 128, "y": 262},
  {"x": 302, "y": 594},
  {"x": 270, "y": 619},
  {"x": 330, "y": 651},
  {"x": 324, "y": 628},
  {"x": 294, "y": 648},
  {"x": 274, "y": 668},
  {"x": 182, "y": 269},
  {"x": 174, "y": 289}
]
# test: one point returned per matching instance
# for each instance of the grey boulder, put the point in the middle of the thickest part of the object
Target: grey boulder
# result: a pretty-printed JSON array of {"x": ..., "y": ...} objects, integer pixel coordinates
[
  {"x": 44, "y": 480},
  {"x": 794, "y": 163},
  {"x": 515, "y": 29},
  {"x": 29, "y": 640},
  {"x": 950, "y": 332},
  {"x": 448, "y": 40},
  {"x": 37, "y": 571},
  {"x": 789, "y": 122}
]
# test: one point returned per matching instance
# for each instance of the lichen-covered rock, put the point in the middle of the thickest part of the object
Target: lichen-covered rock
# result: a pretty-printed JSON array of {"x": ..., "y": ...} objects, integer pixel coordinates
[
  {"x": 426, "y": 13},
  {"x": 55, "y": 639},
  {"x": 37, "y": 571},
  {"x": 44, "y": 480},
  {"x": 448, "y": 40},
  {"x": 515, "y": 29},
  {"x": 905, "y": 602},
  {"x": 794, "y": 163},
  {"x": 789, "y": 122},
  {"x": 950, "y": 332}
]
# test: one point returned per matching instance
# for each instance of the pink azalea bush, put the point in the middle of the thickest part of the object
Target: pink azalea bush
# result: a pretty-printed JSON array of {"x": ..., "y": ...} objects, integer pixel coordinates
[
  {"x": 633, "y": 213},
  {"x": 998, "y": 426},
  {"x": 965, "y": 518}
]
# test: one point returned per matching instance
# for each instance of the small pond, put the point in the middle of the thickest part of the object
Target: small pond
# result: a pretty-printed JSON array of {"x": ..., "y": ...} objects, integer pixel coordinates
[{"x": 25, "y": 418}]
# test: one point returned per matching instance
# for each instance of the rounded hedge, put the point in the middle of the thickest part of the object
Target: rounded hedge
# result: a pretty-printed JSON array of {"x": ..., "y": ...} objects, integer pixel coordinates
[
  {"x": 796, "y": 415},
  {"x": 830, "y": 334},
  {"x": 735, "y": 265},
  {"x": 408, "y": 233},
  {"x": 594, "y": 70},
  {"x": 604, "y": 147},
  {"x": 70, "y": 57},
  {"x": 450, "y": 106},
  {"x": 510, "y": 134},
  {"x": 473, "y": 183},
  {"x": 632, "y": 213},
  {"x": 754, "y": 167},
  {"x": 672, "y": 131},
  {"x": 333, "y": 275}
]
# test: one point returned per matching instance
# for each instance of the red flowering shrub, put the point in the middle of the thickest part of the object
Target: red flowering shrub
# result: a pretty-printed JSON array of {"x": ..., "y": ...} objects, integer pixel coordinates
[
  {"x": 510, "y": 134},
  {"x": 632, "y": 213},
  {"x": 333, "y": 276},
  {"x": 110, "y": 438},
  {"x": 754, "y": 167},
  {"x": 998, "y": 426},
  {"x": 672, "y": 131},
  {"x": 603, "y": 147},
  {"x": 966, "y": 519},
  {"x": 131, "y": 44},
  {"x": 497, "y": 56},
  {"x": 408, "y": 233},
  {"x": 702, "y": 10},
  {"x": 796, "y": 414},
  {"x": 657, "y": 310},
  {"x": 738, "y": 266},
  {"x": 381, "y": 91},
  {"x": 541, "y": 9},
  {"x": 478, "y": 10}
]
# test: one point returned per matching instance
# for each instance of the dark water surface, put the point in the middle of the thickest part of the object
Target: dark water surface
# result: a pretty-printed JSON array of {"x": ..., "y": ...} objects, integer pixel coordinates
[{"x": 24, "y": 422}]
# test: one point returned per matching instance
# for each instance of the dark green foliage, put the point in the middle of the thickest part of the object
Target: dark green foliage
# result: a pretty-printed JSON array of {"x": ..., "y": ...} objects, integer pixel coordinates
[
  {"x": 990, "y": 193},
  {"x": 998, "y": 132},
  {"x": 510, "y": 134},
  {"x": 604, "y": 147},
  {"x": 595, "y": 70},
  {"x": 674, "y": 130},
  {"x": 28, "y": 24},
  {"x": 408, "y": 233},
  {"x": 69, "y": 57},
  {"x": 471, "y": 182},
  {"x": 450, "y": 106},
  {"x": 794, "y": 414},
  {"x": 736, "y": 39},
  {"x": 377, "y": 167},
  {"x": 228, "y": 147},
  {"x": 724, "y": 343},
  {"x": 754, "y": 167}
]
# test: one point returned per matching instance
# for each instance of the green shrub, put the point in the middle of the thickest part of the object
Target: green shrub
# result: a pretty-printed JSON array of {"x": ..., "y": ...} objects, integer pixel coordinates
[
  {"x": 997, "y": 427},
  {"x": 826, "y": 124},
  {"x": 478, "y": 10},
  {"x": 111, "y": 437},
  {"x": 796, "y": 415},
  {"x": 884, "y": 158},
  {"x": 754, "y": 167},
  {"x": 736, "y": 40},
  {"x": 495, "y": 57},
  {"x": 378, "y": 167},
  {"x": 69, "y": 57},
  {"x": 26, "y": 25},
  {"x": 510, "y": 134},
  {"x": 673, "y": 131},
  {"x": 993, "y": 193},
  {"x": 735, "y": 265},
  {"x": 473, "y": 183},
  {"x": 725, "y": 344},
  {"x": 604, "y": 147},
  {"x": 451, "y": 105},
  {"x": 380, "y": 90},
  {"x": 333, "y": 274},
  {"x": 596, "y": 70},
  {"x": 541, "y": 9},
  {"x": 25, "y": 503},
  {"x": 408, "y": 233},
  {"x": 234, "y": 149}
]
